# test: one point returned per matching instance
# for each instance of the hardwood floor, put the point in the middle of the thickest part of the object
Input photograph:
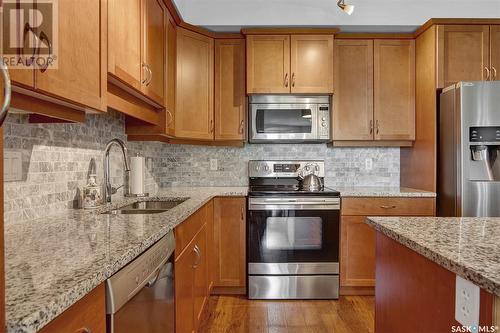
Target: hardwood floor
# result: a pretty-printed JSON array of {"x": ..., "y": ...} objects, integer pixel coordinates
[{"x": 228, "y": 314}]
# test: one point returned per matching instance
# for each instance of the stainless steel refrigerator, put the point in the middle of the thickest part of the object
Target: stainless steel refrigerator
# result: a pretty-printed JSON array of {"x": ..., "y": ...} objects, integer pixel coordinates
[{"x": 469, "y": 150}]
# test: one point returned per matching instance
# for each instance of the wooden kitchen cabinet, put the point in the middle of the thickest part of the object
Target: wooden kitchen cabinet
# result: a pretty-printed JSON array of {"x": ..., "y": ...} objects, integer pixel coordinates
[
  {"x": 495, "y": 52},
  {"x": 230, "y": 240},
  {"x": 229, "y": 89},
  {"x": 394, "y": 89},
  {"x": 463, "y": 53},
  {"x": 357, "y": 240},
  {"x": 268, "y": 64},
  {"x": 353, "y": 87},
  {"x": 374, "y": 95},
  {"x": 311, "y": 66},
  {"x": 194, "y": 112},
  {"x": 192, "y": 273},
  {"x": 136, "y": 54},
  {"x": 86, "y": 315}
]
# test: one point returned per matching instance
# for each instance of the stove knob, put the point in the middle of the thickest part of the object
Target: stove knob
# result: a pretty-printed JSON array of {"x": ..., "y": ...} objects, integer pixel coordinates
[
  {"x": 266, "y": 168},
  {"x": 257, "y": 167}
]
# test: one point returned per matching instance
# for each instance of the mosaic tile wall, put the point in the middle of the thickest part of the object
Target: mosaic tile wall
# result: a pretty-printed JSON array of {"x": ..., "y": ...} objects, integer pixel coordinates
[
  {"x": 189, "y": 165},
  {"x": 56, "y": 160}
]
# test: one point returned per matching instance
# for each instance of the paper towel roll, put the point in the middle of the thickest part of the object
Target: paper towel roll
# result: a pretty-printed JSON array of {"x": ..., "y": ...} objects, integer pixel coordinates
[{"x": 137, "y": 168}]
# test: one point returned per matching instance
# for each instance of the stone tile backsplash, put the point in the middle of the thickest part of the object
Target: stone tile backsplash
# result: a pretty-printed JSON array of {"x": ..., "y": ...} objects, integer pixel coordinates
[{"x": 56, "y": 159}]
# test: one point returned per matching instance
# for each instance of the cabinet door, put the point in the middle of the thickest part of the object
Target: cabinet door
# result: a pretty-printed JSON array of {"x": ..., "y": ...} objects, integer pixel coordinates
[
  {"x": 353, "y": 92},
  {"x": 268, "y": 64},
  {"x": 311, "y": 64},
  {"x": 229, "y": 89},
  {"x": 87, "y": 315},
  {"x": 124, "y": 41},
  {"x": 357, "y": 252},
  {"x": 495, "y": 52},
  {"x": 194, "y": 113},
  {"x": 200, "y": 284},
  {"x": 78, "y": 77},
  {"x": 154, "y": 51},
  {"x": 229, "y": 231},
  {"x": 394, "y": 89},
  {"x": 184, "y": 292},
  {"x": 463, "y": 53},
  {"x": 170, "y": 75}
]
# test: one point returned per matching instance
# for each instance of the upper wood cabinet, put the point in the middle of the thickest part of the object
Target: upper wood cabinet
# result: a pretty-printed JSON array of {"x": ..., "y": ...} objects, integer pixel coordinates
[
  {"x": 311, "y": 65},
  {"x": 194, "y": 112},
  {"x": 136, "y": 46},
  {"x": 353, "y": 86},
  {"x": 374, "y": 97},
  {"x": 495, "y": 52},
  {"x": 268, "y": 64},
  {"x": 78, "y": 81},
  {"x": 229, "y": 240},
  {"x": 229, "y": 89},
  {"x": 463, "y": 54},
  {"x": 394, "y": 89},
  {"x": 289, "y": 64},
  {"x": 154, "y": 50}
]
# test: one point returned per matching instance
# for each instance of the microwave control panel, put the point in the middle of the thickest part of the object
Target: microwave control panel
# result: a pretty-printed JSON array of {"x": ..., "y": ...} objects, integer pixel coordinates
[{"x": 324, "y": 121}]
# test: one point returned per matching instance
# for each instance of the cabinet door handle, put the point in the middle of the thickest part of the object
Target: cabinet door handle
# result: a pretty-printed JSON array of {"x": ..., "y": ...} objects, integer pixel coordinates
[
  {"x": 293, "y": 79},
  {"x": 7, "y": 90},
  {"x": 242, "y": 214},
  {"x": 286, "y": 80},
  {"x": 487, "y": 73},
  {"x": 145, "y": 72},
  {"x": 28, "y": 29},
  {"x": 212, "y": 126},
  {"x": 494, "y": 71},
  {"x": 197, "y": 251},
  {"x": 170, "y": 118},
  {"x": 388, "y": 207},
  {"x": 240, "y": 129},
  {"x": 377, "y": 126},
  {"x": 44, "y": 37},
  {"x": 371, "y": 126},
  {"x": 150, "y": 75}
]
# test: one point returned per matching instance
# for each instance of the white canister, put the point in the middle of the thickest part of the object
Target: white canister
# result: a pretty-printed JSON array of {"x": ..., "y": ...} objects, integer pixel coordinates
[{"x": 137, "y": 175}]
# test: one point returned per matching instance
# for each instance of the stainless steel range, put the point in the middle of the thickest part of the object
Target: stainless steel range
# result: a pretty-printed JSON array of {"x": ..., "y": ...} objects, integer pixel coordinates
[{"x": 293, "y": 232}]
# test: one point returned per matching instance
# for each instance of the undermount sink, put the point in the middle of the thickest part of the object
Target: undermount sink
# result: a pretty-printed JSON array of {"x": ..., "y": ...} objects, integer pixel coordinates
[{"x": 147, "y": 207}]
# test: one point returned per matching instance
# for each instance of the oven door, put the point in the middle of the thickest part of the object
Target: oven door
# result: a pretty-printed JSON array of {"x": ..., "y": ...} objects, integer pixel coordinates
[
  {"x": 283, "y": 122},
  {"x": 293, "y": 236}
]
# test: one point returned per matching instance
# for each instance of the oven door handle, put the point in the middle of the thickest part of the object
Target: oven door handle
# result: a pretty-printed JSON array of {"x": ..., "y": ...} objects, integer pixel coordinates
[{"x": 294, "y": 204}]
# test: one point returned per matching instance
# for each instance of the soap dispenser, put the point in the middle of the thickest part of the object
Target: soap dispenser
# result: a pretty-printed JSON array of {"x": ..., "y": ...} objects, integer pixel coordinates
[{"x": 92, "y": 196}]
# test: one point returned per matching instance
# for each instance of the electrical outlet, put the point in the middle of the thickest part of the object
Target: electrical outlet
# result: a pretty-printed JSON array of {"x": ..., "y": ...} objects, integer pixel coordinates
[
  {"x": 13, "y": 165},
  {"x": 466, "y": 302},
  {"x": 213, "y": 164},
  {"x": 368, "y": 164}
]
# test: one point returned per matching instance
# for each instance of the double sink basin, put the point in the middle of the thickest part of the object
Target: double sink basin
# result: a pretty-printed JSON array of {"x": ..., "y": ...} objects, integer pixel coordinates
[{"x": 147, "y": 207}]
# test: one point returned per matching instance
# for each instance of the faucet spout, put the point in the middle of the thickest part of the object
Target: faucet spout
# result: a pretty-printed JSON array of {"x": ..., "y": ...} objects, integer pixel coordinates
[{"x": 108, "y": 189}]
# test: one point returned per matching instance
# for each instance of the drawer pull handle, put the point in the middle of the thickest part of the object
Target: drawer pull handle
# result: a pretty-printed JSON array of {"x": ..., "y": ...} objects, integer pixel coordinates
[{"x": 388, "y": 207}]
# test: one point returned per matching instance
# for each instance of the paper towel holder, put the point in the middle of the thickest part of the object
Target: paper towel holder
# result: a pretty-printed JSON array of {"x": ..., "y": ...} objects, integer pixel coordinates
[{"x": 129, "y": 192}]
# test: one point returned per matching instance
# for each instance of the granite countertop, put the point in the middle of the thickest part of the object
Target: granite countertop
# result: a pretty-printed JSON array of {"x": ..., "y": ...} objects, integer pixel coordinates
[
  {"x": 469, "y": 247},
  {"x": 53, "y": 262},
  {"x": 402, "y": 192}
]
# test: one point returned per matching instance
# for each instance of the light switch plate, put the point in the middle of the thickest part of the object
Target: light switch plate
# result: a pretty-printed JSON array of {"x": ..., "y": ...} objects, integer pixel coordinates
[
  {"x": 368, "y": 164},
  {"x": 213, "y": 164},
  {"x": 466, "y": 302},
  {"x": 13, "y": 165}
]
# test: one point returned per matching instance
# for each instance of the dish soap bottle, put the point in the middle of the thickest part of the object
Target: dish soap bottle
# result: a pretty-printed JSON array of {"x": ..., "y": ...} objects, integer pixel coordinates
[{"x": 92, "y": 196}]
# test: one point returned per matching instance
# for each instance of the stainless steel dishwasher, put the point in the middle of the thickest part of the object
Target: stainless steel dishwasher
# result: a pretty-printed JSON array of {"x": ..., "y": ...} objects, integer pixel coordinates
[{"x": 140, "y": 297}]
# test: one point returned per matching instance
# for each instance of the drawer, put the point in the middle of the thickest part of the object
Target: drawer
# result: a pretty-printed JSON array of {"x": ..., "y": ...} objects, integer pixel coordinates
[
  {"x": 388, "y": 206},
  {"x": 86, "y": 315},
  {"x": 185, "y": 232}
]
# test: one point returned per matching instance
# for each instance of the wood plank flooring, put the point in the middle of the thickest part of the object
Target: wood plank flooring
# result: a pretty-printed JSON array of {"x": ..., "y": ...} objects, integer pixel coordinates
[{"x": 349, "y": 314}]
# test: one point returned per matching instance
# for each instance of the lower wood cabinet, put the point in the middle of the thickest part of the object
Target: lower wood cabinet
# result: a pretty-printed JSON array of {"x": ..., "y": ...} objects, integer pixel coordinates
[
  {"x": 86, "y": 315},
  {"x": 229, "y": 243},
  {"x": 357, "y": 240}
]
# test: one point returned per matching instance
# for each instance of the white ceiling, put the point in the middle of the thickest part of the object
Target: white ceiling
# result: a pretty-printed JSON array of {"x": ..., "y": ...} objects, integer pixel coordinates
[{"x": 369, "y": 15}]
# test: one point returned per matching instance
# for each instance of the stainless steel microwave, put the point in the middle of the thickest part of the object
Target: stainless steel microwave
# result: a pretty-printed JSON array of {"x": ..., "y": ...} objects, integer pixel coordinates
[{"x": 289, "y": 118}]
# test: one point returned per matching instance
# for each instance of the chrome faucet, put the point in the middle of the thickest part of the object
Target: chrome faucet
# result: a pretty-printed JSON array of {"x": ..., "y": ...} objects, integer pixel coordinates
[{"x": 108, "y": 189}]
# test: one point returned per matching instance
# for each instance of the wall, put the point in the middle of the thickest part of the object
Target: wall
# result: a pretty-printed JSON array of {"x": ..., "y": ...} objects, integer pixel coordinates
[{"x": 56, "y": 160}]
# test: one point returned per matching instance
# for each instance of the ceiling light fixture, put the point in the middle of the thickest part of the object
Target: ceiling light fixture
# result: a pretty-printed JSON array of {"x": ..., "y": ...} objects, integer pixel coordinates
[{"x": 349, "y": 9}]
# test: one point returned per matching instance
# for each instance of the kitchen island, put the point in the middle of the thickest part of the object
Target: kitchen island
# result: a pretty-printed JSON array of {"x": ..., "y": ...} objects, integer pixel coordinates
[{"x": 417, "y": 260}]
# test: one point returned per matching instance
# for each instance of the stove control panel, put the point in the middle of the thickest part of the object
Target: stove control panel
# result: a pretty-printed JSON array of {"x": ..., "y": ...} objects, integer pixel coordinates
[{"x": 284, "y": 169}]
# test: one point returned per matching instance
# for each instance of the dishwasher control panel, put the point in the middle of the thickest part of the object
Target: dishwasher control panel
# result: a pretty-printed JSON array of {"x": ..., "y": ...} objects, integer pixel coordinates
[{"x": 126, "y": 283}]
